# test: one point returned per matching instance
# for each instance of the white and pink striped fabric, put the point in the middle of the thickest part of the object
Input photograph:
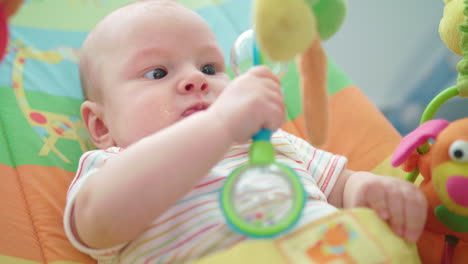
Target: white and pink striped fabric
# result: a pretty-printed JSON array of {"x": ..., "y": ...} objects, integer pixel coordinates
[{"x": 195, "y": 226}]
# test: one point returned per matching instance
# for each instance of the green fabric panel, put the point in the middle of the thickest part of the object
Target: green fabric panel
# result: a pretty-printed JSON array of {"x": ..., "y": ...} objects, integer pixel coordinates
[
  {"x": 5, "y": 157},
  {"x": 79, "y": 15},
  {"x": 292, "y": 92},
  {"x": 336, "y": 78},
  {"x": 56, "y": 104},
  {"x": 25, "y": 143},
  {"x": 66, "y": 15}
]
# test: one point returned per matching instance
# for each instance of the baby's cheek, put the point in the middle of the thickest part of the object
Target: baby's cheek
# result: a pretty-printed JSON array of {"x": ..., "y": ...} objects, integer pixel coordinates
[
  {"x": 165, "y": 115},
  {"x": 153, "y": 119},
  {"x": 220, "y": 85}
]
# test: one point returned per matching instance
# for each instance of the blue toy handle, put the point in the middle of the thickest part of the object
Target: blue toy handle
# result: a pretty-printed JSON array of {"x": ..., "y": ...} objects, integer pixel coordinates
[
  {"x": 256, "y": 57},
  {"x": 263, "y": 134}
]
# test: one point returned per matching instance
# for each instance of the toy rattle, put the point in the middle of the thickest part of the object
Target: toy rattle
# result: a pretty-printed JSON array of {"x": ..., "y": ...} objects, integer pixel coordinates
[{"x": 263, "y": 198}]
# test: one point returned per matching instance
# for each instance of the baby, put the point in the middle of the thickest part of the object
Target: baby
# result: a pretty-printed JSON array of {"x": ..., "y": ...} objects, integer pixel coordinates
[{"x": 170, "y": 127}]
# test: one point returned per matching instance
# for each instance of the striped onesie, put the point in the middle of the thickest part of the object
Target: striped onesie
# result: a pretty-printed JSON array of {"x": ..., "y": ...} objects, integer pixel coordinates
[{"x": 195, "y": 226}]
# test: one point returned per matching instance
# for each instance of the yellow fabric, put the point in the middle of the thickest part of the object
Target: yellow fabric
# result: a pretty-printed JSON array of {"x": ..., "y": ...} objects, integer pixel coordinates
[
  {"x": 13, "y": 260},
  {"x": 385, "y": 168},
  {"x": 358, "y": 235}
]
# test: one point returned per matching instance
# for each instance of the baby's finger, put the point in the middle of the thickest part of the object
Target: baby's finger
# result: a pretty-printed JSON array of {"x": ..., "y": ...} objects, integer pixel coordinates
[
  {"x": 264, "y": 72},
  {"x": 276, "y": 117},
  {"x": 274, "y": 87},
  {"x": 415, "y": 214},
  {"x": 397, "y": 212},
  {"x": 376, "y": 200}
]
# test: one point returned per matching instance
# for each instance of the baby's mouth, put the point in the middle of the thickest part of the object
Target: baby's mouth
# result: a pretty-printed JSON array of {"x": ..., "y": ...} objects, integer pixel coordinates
[{"x": 195, "y": 108}]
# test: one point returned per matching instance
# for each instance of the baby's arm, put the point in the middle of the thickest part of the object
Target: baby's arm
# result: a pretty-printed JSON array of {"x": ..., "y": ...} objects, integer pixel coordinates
[
  {"x": 399, "y": 202},
  {"x": 121, "y": 200}
]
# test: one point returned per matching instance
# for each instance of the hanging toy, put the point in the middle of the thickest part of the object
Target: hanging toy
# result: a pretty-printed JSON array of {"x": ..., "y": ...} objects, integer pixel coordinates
[
  {"x": 263, "y": 198},
  {"x": 443, "y": 162}
]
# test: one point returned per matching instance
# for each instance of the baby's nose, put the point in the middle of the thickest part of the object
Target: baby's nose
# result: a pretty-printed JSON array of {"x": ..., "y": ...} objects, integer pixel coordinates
[
  {"x": 191, "y": 86},
  {"x": 195, "y": 82}
]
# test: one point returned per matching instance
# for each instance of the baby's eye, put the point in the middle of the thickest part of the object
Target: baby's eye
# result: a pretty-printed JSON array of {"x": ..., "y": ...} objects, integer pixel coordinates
[
  {"x": 458, "y": 151},
  {"x": 156, "y": 74},
  {"x": 208, "y": 69}
]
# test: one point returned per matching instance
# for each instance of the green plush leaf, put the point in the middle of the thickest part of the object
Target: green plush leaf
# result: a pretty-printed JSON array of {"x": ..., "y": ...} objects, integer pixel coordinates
[{"x": 330, "y": 15}]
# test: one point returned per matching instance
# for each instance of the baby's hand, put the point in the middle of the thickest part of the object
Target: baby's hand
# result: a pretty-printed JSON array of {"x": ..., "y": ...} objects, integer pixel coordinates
[
  {"x": 250, "y": 102},
  {"x": 398, "y": 202}
]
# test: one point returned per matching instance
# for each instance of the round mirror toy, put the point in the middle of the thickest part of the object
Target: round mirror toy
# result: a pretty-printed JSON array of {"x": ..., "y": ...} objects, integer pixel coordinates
[
  {"x": 263, "y": 198},
  {"x": 244, "y": 55}
]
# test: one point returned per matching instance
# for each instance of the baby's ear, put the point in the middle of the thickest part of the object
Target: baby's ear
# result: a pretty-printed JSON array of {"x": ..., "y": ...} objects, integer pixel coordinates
[{"x": 92, "y": 115}]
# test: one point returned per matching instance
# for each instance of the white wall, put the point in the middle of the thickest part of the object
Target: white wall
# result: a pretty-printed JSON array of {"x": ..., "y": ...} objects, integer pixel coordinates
[{"x": 382, "y": 43}]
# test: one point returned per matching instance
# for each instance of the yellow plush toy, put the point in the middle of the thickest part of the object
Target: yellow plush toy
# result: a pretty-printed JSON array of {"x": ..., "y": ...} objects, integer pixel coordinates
[
  {"x": 286, "y": 29},
  {"x": 448, "y": 27}
]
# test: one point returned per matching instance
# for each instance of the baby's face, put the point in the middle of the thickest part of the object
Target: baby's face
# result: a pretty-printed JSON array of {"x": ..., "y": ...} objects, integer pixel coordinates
[{"x": 159, "y": 68}]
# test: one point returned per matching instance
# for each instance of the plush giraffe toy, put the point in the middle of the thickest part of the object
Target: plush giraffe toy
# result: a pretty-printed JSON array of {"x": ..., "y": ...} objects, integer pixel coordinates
[
  {"x": 285, "y": 29},
  {"x": 7, "y": 9}
]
